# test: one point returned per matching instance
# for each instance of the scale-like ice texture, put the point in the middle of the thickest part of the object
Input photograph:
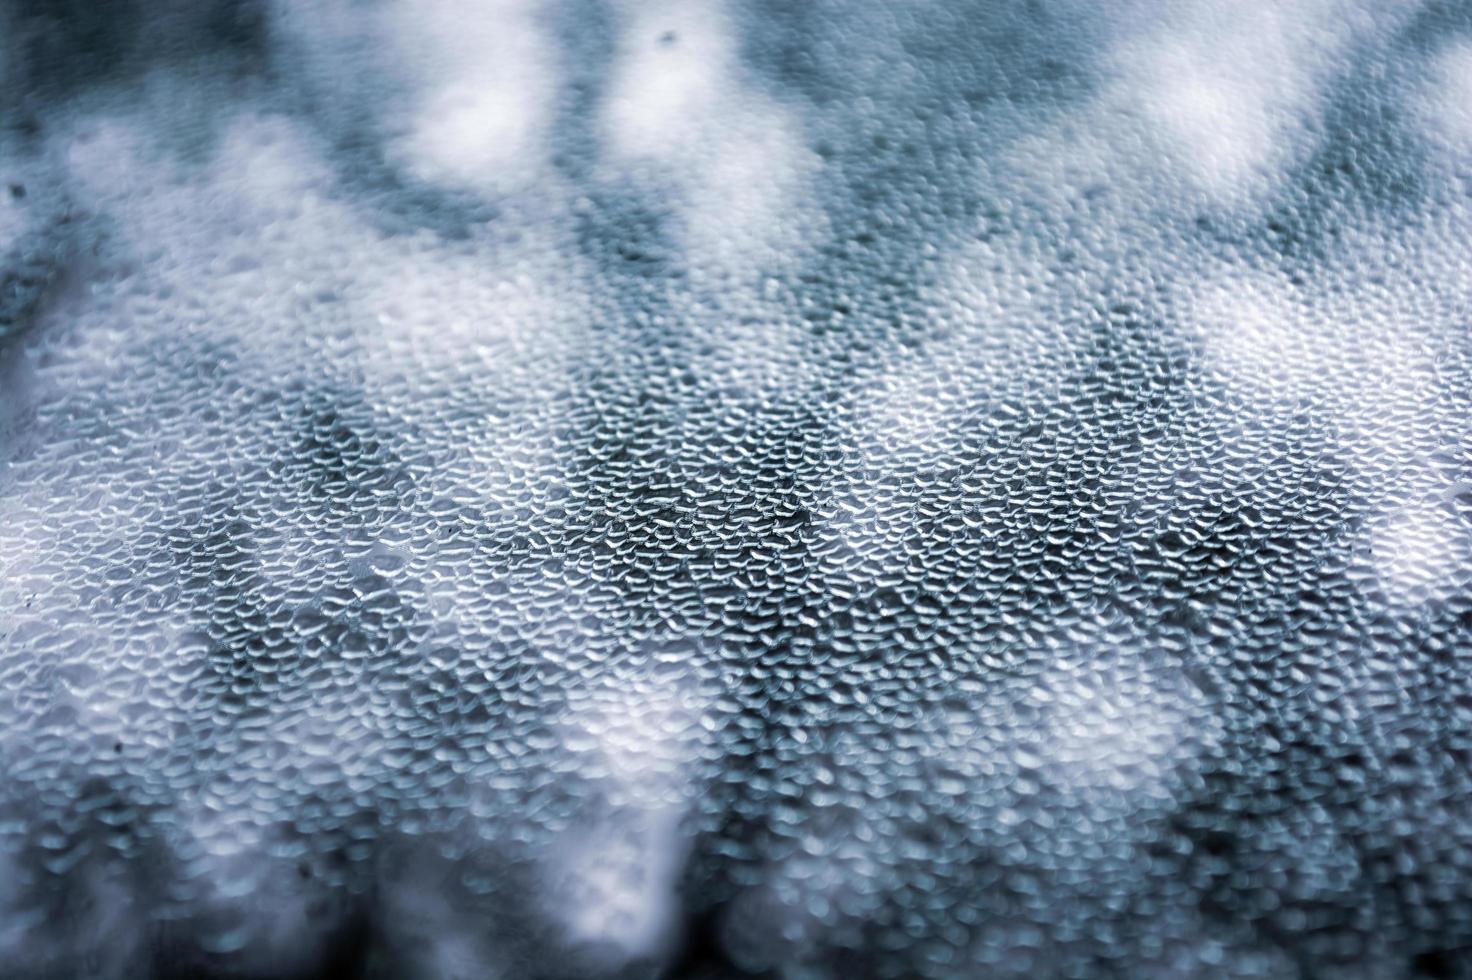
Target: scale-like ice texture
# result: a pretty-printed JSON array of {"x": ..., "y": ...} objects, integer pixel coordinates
[{"x": 813, "y": 489}]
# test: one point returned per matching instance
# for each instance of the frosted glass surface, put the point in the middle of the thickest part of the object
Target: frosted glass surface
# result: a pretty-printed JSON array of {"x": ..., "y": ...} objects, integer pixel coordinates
[{"x": 925, "y": 489}]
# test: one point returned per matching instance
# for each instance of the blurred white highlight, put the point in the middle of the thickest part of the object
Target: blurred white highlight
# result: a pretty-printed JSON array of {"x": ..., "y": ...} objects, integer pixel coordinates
[
  {"x": 483, "y": 79},
  {"x": 1235, "y": 91},
  {"x": 680, "y": 112}
]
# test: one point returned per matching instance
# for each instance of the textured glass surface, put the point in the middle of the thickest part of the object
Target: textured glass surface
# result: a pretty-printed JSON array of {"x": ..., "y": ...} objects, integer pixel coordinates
[{"x": 790, "y": 488}]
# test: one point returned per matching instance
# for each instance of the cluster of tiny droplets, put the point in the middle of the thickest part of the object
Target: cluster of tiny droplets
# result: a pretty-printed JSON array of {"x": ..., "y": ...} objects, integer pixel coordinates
[{"x": 827, "y": 489}]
